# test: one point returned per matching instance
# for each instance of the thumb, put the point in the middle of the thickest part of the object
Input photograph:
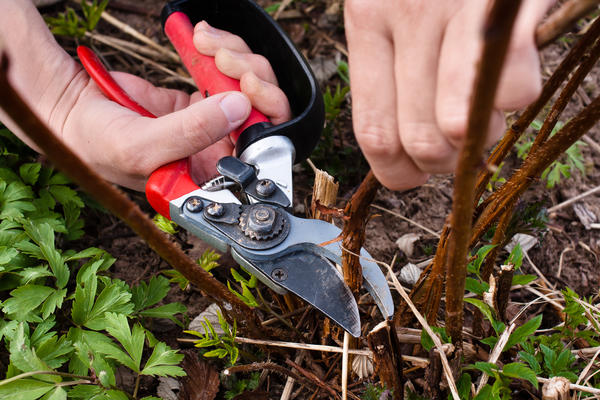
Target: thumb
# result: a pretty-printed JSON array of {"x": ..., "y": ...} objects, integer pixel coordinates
[{"x": 192, "y": 129}]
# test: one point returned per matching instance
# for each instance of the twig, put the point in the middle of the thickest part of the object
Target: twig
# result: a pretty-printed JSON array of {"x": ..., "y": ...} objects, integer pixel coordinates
[
  {"x": 137, "y": 35},
  {"x": 282, "y": 6},
  {"x": 574, "y": 199},
  {"x": 410, "y": 221},
  {"x": 145, "y": 50},
  {"x": 156, "y": 65},
  {"x": 497, "y": 35},
  {"x": 425, "y": 325},
  {"x": 562, "y": 19},
  {"x": 590, "y": 142},
  {"x": 495, "y": 354},
  {"x": 269, "y": 366},
  {"x": 537, "y": 271},
  {"x": 119, "y": 204},
  {"x": 345, "y": 358},
  {"x": 312, "y": 377}
]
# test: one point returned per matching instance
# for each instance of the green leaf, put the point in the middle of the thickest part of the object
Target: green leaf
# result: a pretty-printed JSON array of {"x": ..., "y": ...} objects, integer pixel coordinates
[
  {"x": 163, "y": 362},
  {"x": 23, "y": 357},
  {"x": 516, "y": 257},
  {"x": 549, "y": 357},
  {"x": 131, "y": 340},
  {"x": 482, "y": 253},
  {"x": 25, "y": 389},
  {"x": 87, "y": 392},
  {"x": 486, "y": 367},
  {"x": 25, "y": 299},
  {"x": 43, "y": 236},
  {"x": 167, "y": 311},
  {"x": 177, "y": 278},
  {"x": 30, "y": 172},
  {"x": 64, "y": 195},
  {"x": 523, "y": 279},
  {"x": 523, "y": 332},
  {"x": 57, "y": 394},
  {"x": 53, "y": 302},
  {"x": 520, "y": 371},
  {"x": 221, "y": 353},
  {"x": 483, "y": 307},
  {"x": 476, "y": 286},
  {"x": 532, "y": 361},
  {"x": 145, "y": 295},
  {"x": 164, "y": 224}
]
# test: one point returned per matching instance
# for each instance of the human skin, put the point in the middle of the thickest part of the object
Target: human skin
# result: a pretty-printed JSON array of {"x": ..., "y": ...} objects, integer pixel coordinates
[
  {"x": 122, "y": 146},
  {"x": 412, "y": 67}
]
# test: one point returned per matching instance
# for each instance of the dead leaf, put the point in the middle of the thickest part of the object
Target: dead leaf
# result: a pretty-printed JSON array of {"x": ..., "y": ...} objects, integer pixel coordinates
[
  {"x": 526, "y": 242},
  {"x": 362, "y": 366},
  {"x": 167, "y": 388},
  {"x": 202, "y": 380},
  {"x": 410, "y": 274},
  {"x": 585, "y": 215},
  {"x": 211, "y": 314},
  {"x": 406, "y": 243}
]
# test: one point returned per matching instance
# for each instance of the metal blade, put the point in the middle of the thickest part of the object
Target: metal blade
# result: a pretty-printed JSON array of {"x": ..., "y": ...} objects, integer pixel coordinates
[{"x": 314, "y": 279}]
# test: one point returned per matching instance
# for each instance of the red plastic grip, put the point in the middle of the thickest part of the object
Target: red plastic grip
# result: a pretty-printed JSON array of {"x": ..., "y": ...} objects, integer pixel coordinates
[
  {"x": 202, "y": 68},
  {"x": 106, "y": 83}
]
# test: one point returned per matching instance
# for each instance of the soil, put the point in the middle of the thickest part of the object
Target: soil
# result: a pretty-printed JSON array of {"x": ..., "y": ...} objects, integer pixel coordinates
[{"x": 567, "y": 252}]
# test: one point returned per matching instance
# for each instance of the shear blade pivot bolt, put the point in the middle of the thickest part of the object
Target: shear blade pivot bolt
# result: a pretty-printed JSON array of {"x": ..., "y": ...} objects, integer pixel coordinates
[
  {"x": 265, "y": 188},
  {"x": 194, "y": 204},
  {"x": 261, "y": 222},
  {"x": 215, "y": 210}
]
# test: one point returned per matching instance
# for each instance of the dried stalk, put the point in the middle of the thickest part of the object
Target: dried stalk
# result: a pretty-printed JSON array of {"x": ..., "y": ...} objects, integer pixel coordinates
[
  {"x": 563, "y": 19},
  {"x": 115, "y": 201},
  {"x": 496, "y": 38},
  {"x": 383, "y": 342},
  {"x": 353, "y": 233}
]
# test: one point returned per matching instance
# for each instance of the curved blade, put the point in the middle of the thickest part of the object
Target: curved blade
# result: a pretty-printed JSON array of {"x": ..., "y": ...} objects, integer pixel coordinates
[{"x": 318, "y": 282}]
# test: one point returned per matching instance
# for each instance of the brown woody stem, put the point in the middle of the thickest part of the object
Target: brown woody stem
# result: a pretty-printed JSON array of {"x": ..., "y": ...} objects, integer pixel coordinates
[
  {"x": 550, "y": 87},
  {"x": 115, "y": 201},
  {"x": 563, "y": 19},
  {"x": 496, "y": 38}
]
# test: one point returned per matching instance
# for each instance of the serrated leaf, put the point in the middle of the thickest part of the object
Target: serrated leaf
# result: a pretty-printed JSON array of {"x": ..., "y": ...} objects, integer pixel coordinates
[
  {"x": 167, "y": 311},
  {"x": 520, "y": 371},
  {"x": 131, "y": 340},
  {"x": 523, "y": 332},
  {"x": 32, "y": 273},
  {"x": 116, "y": 395},
  {"x": 64, "y": 195},
  {"x": 53, "y": 302},
  {"x": 55, "y": 351},
  {"x": 163, "y": 362},
  {"x": 30, "y": 172},
  {"x": 23, "y": 357},
  {"x": 145, "y": 294},
  {"x": 25, "y": 299},
  {"x": 476, "y": 286},
  {"x": 24, "y": 389},
  {"x": 87, "y": 392},
  {"x": 43, "y": 236},
  {"x": 113, "y": 297}
]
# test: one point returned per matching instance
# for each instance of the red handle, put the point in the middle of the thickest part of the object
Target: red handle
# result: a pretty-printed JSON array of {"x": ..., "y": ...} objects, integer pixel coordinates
[
  {"x": 106, "y": 83},
  {"x": 202, "y": 68}
]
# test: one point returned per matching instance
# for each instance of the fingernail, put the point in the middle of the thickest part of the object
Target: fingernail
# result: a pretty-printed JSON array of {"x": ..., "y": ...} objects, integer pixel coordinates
[
  {"x": 209, "y": 30},
  {"x": 235, "y": 107}
]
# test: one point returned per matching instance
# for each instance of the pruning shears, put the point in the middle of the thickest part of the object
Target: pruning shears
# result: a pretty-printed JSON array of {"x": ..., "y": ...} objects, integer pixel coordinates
[{"x": 287, "y": 253}]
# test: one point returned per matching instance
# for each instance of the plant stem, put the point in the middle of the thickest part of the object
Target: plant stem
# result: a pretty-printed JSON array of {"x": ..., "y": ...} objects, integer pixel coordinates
[
  {"x": 137, "y": 386},
  {"x": 496, "y": 39},
  {"x": 33, "y": 373},
  {"x": 562, "y": 19},
  {"x": 550, "y": 87},
  {"x": 115, "y": 201}
]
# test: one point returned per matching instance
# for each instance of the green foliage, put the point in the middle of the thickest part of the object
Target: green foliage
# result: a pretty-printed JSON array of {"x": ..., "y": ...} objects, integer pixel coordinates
[
  {"x": 426, "y": 340},
  {"x": 223, "y": 345},
  {"x": 375, "y": 392},
  {"x": 246, "y": 283},
  {"x": 62, "y": 312},
  {"x": 496, "y": 180},
  {"x": 164, "y": 224},
  {"x": 209, "y": 260},
  {"x": 235, "y": 386},
  {"x": 571, "y": 161},
  {"x": 69, "y": 23}
]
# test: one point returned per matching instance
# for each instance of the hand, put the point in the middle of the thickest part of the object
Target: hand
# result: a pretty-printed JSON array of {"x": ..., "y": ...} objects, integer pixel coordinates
[
  {"x": 125, "y": 147},
  {"x": 412, "y": 66}
]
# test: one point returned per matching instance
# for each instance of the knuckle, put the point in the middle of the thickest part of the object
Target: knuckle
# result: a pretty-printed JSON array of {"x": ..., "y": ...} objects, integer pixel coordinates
[{"x": 377, "y": 138}]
